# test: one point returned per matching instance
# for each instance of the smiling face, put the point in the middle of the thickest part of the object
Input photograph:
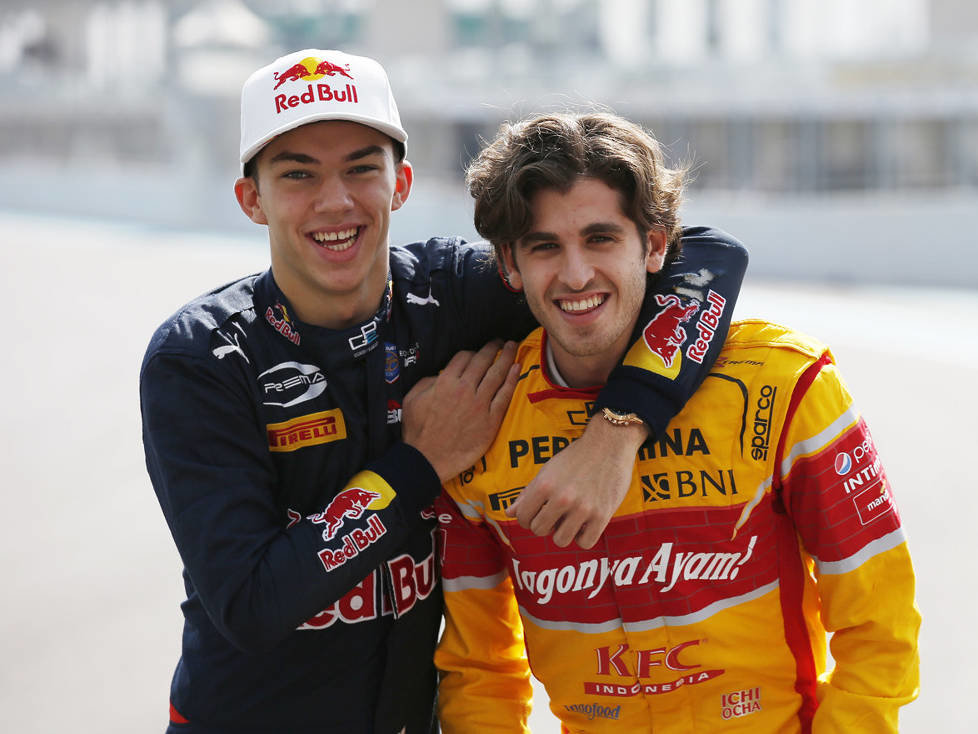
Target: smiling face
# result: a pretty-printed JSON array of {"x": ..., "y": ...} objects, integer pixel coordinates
[
  {"x": 582, "y": 266},
  {"x": 326, "y": 191}
]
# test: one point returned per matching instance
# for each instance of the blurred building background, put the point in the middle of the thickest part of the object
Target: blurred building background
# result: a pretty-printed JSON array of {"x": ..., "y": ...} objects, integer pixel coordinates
[{"x": 838, "y": 138}]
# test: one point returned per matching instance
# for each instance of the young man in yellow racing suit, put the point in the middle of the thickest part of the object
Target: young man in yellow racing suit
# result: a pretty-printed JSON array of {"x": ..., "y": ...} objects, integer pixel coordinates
[{"x": 758, "y": 522}]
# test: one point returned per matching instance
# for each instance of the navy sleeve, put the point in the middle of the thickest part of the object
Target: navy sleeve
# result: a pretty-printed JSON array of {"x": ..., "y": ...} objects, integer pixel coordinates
[
  {"x": 681, "y": 329},
  {"x": 257, "y": 577},
  {"x": 682, "y": 326}
]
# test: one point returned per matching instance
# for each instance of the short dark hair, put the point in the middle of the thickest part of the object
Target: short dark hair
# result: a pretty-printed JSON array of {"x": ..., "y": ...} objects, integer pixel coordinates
[{"x": 552, "y": 151}]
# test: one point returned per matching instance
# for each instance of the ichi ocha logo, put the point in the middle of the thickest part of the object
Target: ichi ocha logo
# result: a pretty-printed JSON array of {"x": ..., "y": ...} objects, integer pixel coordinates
[{"x": 312, "y": 70}]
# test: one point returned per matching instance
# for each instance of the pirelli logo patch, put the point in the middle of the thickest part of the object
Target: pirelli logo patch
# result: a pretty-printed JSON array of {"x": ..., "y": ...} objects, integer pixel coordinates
[{"x": 306, "y": 430}]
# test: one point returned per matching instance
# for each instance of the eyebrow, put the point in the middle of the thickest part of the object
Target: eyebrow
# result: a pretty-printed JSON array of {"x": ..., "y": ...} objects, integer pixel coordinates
[
  {"x": 532, "y": 237},
  {"x": 293, "y": 157}
]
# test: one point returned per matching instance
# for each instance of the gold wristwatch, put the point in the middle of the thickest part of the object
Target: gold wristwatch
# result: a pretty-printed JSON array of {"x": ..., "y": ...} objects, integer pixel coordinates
[{"x": 620, "y": 419}]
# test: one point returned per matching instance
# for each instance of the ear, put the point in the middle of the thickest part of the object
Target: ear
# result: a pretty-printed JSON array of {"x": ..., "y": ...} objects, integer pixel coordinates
[
  {"x": 246, "y": 191},
  {"x": 403, "y": 180},
  {"x": 656, "y": 254},
  {"x": 508, "y": 269}
]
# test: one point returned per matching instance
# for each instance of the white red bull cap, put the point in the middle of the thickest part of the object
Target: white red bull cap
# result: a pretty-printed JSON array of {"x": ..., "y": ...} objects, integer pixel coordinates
[{"x": 312, "y": 85}]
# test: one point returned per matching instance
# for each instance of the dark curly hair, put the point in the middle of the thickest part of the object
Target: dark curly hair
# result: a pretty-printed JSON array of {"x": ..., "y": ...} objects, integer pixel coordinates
[{"x": 552, "y": 151}]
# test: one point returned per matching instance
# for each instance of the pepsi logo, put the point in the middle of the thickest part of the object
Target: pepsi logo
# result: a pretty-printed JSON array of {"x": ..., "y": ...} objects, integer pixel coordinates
[{"x": 843, "y": 464}]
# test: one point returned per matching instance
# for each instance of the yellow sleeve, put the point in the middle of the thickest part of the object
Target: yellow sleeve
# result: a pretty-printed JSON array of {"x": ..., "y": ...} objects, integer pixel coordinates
[
  {"x": 875, "y": 625},
  {"x": 484, "y": 674},
  {"x": 842, "y": 504}
]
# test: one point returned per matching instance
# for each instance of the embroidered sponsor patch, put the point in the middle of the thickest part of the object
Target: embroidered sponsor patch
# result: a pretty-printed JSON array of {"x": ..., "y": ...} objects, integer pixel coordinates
[
  {"x": 306, "y": 430},
  {"x": 392, "y": 364}
]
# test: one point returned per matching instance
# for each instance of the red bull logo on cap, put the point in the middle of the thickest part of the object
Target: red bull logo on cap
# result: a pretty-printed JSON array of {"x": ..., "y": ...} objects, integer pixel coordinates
[
  {"x": 663, "y": 337},
  {"x": 310, "y": 70}
]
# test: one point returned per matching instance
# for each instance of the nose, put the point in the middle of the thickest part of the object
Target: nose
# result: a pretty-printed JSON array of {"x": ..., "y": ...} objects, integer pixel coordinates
[
  {"x": 576, "y": 269},
  {"x": 333, "y": 196}
]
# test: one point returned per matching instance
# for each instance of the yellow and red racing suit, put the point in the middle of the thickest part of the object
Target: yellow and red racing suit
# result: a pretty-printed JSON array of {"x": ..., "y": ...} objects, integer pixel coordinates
[{"x": 758, "y": 522}]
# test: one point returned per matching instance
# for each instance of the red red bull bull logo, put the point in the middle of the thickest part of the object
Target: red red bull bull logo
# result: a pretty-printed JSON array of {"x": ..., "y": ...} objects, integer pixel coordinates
[
  {"x": 311, "y": 70},
  {"x": 664, "y": 335},
  {"x": 348, "y": 503},
  {"x": 367, "y": 491},
  {"x": 361, "y": 604},
  {"x": 278, "y": 317},
  {"x": 707, "y": 326}
]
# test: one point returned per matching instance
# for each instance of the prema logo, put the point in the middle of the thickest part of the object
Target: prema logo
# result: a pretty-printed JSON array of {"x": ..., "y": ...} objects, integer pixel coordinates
[{"x": 290, "y": 383}]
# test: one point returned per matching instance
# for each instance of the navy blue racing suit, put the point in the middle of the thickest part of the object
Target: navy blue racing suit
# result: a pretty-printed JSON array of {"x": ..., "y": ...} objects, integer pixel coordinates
[{"x": 302, "y": 520}]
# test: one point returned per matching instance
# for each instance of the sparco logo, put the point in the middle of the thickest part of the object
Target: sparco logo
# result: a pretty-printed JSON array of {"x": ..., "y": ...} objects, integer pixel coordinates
[
  {"x": 761, "y": 439},
  {"x": 291, "y": 383}
]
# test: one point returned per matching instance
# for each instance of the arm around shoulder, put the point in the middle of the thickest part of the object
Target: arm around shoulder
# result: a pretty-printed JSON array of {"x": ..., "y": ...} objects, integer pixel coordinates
[{"x": 258, "y": 573}]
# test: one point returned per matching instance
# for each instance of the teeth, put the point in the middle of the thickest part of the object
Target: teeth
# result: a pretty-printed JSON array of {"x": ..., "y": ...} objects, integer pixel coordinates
[
  {"x": 338, "y": 241},
  {"x": 582, "y": 305}
]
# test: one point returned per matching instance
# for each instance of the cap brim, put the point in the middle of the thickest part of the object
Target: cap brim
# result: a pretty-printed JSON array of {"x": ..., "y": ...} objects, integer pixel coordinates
[{"x": 392, "y": 131}]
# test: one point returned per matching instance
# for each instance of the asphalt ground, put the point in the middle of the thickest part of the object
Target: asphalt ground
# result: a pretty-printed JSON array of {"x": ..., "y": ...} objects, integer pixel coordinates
[{"x": 89, "y": 622}]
